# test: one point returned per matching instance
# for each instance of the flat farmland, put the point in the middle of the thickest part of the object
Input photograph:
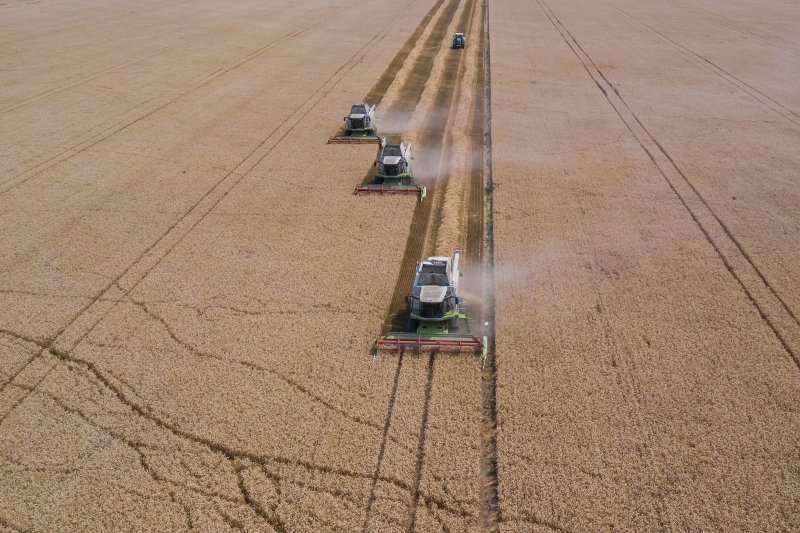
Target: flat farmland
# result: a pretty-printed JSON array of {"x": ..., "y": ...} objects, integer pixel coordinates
[
  {"x": 645, "y": 193},
  {"x": 189, "y": 288}
]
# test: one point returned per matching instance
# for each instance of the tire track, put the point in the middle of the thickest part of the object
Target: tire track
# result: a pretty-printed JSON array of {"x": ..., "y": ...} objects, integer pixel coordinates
[
  {"x": 740, "y": 84},
  {"x": 655, "y": 152},
  {"x": 93, "y": 76},
  {"x": 233, "y": 179},
  {"x": 671, "y": 173},
  {"x": 61, "y": 27},
  {"x": 382, "y": 450},
  {"x": 474, "y": 248},
  {"x": 725, "y": 76},
  {"x": 36, "y": 170},
  {"x": 438, "y": 195},
  {"x": 421, "y": 445},
  {"x": 231, "y": 452},
  {"x": 111, "y": 68},
  {"x": 293, "y": 384},
  {"x": 703, "y": 13}
]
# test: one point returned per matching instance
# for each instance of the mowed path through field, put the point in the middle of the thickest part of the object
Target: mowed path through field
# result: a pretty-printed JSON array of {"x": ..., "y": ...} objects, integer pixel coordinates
[{"x": 646, "y": 229}]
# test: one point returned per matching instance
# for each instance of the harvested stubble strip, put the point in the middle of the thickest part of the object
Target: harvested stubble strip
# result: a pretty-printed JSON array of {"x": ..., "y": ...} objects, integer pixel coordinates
[
  {"x": 391, "y": 73},
  {"x": 392, "y": 93},
  {"x": 452, "y": 229},
  {"x": 440, "y": 122},
  {"x": 409, "y": 99}
]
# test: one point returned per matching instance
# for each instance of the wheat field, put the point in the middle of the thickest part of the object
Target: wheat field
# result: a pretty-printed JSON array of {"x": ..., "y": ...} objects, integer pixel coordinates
[{"x": 189, "y": 288}]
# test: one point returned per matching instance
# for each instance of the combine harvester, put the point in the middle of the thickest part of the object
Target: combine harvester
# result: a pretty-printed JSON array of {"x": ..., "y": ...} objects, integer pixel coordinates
[
  {"x": 436, "y": 317},
  {"x": 359, "y": 127},
  {"x": 393, "y": 175}
]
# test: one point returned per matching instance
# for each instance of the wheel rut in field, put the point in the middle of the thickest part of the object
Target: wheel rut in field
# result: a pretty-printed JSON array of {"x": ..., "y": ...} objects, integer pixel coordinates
[
  {"x": 715, "y": 17},
  {"x": 382, "y": 451},
  {"x": 86, "y": 79},
  {"x": 773, "y": 310},
  {"x": 182, "y": 40},
  {"x": 454, "y": 82},
  {"x": 76, "y": 330},
  {"x": 143, "y": 111},
  {"x": 421, "y": 444},
  {"x": 762, "y": 98}
]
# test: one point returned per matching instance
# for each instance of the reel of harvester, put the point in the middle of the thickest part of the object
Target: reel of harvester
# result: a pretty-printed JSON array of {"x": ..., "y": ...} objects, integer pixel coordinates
[
  {"x": 436, "y": 317},
  {"x": 393, "y": 173},
  {"x": 359, "y": 127}
]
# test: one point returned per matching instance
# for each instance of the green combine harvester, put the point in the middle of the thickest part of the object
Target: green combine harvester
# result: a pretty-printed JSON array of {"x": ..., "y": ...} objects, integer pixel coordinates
[
  {"x": 436, "y": 317},
  {"x": 393, "y": 172},
  {"x": 359, "y": 127}
]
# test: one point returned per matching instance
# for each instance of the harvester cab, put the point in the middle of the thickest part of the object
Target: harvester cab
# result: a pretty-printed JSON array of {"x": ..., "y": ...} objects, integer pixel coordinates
[
  {"x": 436, "y": 316},
  {"x": 459, "y": 41},
  {"x": 393, "y": 172},
  {"x": 394, "y": 163},
  {"x": 433, "y": 301},
  {"x": 359, "y": 126}
]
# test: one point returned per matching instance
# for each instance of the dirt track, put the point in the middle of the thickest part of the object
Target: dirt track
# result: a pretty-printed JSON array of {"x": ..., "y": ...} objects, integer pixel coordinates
[{"x": 189, "y": 288}]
